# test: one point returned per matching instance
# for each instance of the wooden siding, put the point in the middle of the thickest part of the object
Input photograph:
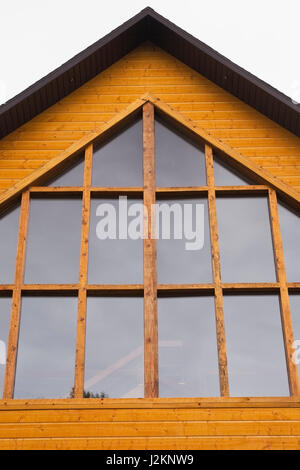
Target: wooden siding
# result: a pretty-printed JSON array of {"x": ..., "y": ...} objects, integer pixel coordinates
[
  {"x": 149, "y": 426},
  {"x": 160, "y": 423},
  {"x": 149, "y": 69}
]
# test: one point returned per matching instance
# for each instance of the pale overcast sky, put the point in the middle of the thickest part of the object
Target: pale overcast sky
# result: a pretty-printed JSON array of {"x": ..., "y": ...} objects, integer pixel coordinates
[{"x": 260, "y": 35}]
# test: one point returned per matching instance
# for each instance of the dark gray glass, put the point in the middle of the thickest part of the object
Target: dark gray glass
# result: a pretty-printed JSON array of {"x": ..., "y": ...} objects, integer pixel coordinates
[
  {"x": 290, "y": 232},
  {"x": 117, "y": 259},
  {"x": 245, "y": 239},
  {"x": 114, "y": 365},
  {"x": 226, "y": 175},
  {"x": 188, "y": 358},
  {"x": 47, "y": 345},
  {"x": 72, "y": 176},
  {"x": 53, "y": 248},
  {"x": 9, "y": 229},
  {"x": 180, "y": 260},
  {"x": 179, "y": 161},
  {"x": 5, "y": 304},
  {"x": 295, "y": 311},
  {"x": 119, "y": 162},
  {"x": 255, "y": 349}
]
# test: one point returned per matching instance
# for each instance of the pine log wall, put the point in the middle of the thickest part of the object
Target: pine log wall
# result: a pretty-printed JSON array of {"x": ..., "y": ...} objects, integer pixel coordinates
[{"x": 148, "y": 68}]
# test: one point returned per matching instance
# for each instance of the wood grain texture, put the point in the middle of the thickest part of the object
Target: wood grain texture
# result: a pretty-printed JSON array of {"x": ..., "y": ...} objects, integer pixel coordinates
[
  {"x": 286, "y": 318},
  {"x": 148, "y": 69},
  {"x": 216, "y": 268},
  {"x": 150, "y": 275},
  {"x": 12, "y": 347},
  {"x": 88, "y": 426},
  {"x": 83, "y": 274}
]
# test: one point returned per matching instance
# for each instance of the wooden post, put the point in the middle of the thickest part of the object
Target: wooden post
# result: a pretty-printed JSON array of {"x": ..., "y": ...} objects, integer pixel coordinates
[
  {"x": 220, "y": 323},
  {"x": 83, "y": 273},
  {"x": 286, "y": 319},
  {"x": 12, "y": 349},
  {"x": 150, "y": 275}
]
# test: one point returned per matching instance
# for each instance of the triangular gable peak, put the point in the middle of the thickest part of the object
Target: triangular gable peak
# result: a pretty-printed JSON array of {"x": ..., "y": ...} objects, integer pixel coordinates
[
  {"x": 149, "y": 69},
  {"x": 248, "y": 169}
]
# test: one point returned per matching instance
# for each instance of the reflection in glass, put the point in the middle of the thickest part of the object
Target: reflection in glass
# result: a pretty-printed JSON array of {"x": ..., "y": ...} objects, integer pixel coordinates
[
  {"x": 255, "y": 349},
  {"x": 53, "y": 247},
  {"x": 290, "y": 232},
  {"x": 47, "y": 344},
  {"x": 226, "y": 175},
  {"x": 187, "y": 258},
  {"x": 188, "y": 359},
  {"x": 295, "y": 312},
  {"x": 119, "y": 162},
  {"x": 5, "y": 304},
  {"x": 117, "y": 259},
  {"x": 245, "y": 239},
  {"x": 72, "y": 176},
  {"x": 179, "y": 161},
  {"x": 114, "y": 365},
  {"x": 9, "y": 228}
]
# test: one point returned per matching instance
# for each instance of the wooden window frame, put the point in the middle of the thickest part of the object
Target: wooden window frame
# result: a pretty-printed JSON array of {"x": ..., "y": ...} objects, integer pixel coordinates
[{"x": 150, "y": 289}]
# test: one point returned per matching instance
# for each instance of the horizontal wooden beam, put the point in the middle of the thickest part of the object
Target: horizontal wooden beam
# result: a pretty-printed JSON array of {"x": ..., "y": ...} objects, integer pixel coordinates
[
  {"x": 6, "y": 287},
  {"x": 54, "y": 189},
  {"x": 116, "y": 191},
  {"x": 49, "y": 287},
  {"x": 181, "y": 288},
  {"x": 251, "y": 287},
  {"x": 147, "y": 403}
]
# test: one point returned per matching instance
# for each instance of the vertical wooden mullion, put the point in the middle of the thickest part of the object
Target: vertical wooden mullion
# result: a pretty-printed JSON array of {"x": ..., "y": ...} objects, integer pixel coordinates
[
  {"x": 220, "y": 322},
  {"x": 83, "y": 272},
  {"x": 12, "y": 348},
  {"x": 150, "y": 275},
  {"x": 286, "y": 319}
]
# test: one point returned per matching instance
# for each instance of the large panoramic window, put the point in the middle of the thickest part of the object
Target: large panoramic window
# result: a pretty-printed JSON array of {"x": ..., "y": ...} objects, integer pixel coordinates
[{"x": 149, "y": 265}]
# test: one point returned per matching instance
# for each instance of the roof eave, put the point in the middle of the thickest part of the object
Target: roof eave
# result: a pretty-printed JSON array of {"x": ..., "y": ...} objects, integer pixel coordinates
[{"x": 149, "y": 25}]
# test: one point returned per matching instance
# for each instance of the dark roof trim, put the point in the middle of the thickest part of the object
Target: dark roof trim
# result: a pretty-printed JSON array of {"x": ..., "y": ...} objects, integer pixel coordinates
[{"x": 149, "y": 25}]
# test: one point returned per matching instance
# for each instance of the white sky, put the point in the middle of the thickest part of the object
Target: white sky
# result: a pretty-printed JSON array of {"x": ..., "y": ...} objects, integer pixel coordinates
[{"x": 36, "y": 36}]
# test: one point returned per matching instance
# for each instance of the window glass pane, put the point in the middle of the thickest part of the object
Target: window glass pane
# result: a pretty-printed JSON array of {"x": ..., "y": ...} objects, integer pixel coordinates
[
  {"x": 9, "y": 229},
  {"x": 188, "y": 359},
  {"x": 295, "y": 311},
  {"x": 114, "y": 364},
  {"x": 290, "y": 232},
  {"x": 245, "y": 239},
  {"x": 255, "y": 349},
  {"x": 47, "y": 344},
  {"x": 72, "y": 176},
  {"x": 119, "y": 162},
  {"x": 53, "y": 248},
  {"x": 187, "y": 258},
  {"x": 5, "y": 304},
  {"x": 179, "y": 161},
  {"x": 113, "y": 259},
  {"x": 226, "y": 175}
]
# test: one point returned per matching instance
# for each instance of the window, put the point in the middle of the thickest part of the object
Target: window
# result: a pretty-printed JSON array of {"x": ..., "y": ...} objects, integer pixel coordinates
[
  {"x": 256, "y": 362},
  {"x": 9, "y": 227},
  {"x": 46, "y": 353},
  {"x": 5, "y": 305},
  {"x": 245, "y": 239},
  {"x": 188, "y": 357},
  {"x": 115, "y": 347},
  {"x": 149, "y": 267}
]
